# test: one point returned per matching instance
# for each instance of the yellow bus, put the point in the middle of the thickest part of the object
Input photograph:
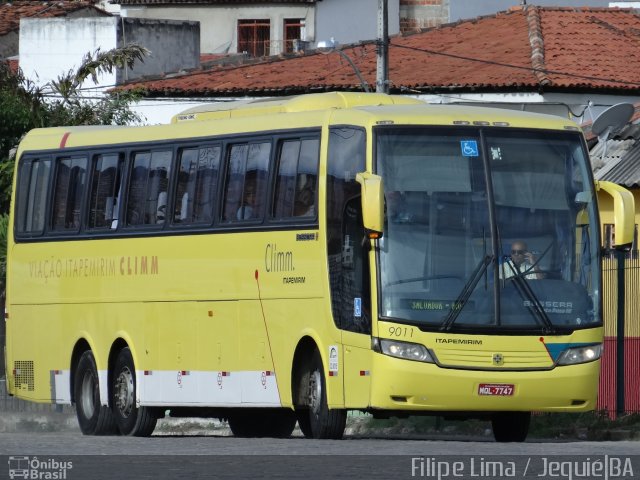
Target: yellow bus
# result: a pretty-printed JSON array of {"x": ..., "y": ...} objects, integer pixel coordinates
[{"x": 283, "y": 261}]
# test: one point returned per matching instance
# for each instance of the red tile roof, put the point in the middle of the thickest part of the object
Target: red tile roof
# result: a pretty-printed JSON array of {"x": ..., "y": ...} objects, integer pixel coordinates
[
  {"x": 529, "y": 48},
  {"x": 11, "y": 13}
]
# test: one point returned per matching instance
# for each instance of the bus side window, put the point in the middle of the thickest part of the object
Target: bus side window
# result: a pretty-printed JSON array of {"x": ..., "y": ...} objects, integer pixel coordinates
[
  {"x": 296, "y": 183},
  {"x": 197, "y": 180},
  {"x": 246, "y": 182},
  {"x": 147, "y": 200},
  {"x": 68, "y": 192},
  {"x": 31, "y": 197},
  {"x": 104, "y": 197}
]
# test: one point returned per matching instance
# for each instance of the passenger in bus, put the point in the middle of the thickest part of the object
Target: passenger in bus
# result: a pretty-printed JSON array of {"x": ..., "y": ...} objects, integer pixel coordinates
[
  {"x": 304, "y": 204},
  {"x": 521, "y": 262},
  {"x": 248, "y": 208}
]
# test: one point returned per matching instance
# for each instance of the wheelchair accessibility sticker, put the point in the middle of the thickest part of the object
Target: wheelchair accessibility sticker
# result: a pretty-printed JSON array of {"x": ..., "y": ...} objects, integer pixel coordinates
[{"x": 469, "y": 148}]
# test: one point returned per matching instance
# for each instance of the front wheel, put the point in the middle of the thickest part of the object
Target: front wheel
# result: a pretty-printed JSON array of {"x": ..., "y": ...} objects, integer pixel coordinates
[
  {"x": 511, "y": 426},
  {"x": 317, "y": 420},
  {"x": 131, "y": 420},
  {"x": 93, "y": 418}
]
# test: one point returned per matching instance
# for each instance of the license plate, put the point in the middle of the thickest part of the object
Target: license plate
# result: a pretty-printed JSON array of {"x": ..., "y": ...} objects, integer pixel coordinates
[{"x": 498, "y": 389}]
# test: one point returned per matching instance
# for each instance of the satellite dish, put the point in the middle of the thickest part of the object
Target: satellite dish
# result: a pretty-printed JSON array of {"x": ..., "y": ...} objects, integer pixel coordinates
[{"x": 611, "y": 121}]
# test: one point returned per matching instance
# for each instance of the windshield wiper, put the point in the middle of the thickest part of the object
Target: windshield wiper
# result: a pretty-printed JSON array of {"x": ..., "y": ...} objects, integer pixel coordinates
[
  {"x": 466, "y": 292},
  {"x": 525, "y": 291}
]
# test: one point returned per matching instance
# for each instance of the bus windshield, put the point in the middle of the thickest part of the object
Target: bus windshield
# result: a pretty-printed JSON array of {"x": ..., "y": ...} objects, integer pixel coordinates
[{"x": 487, "y": 229}]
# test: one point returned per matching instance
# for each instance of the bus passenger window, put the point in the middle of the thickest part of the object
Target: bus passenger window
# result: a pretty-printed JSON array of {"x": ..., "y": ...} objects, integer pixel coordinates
[
  {"x": 148, "y": 188},
  {"x": 31, "y": 195},
  {"x": 68, "y": 192},
  {"x": 196, "y": 188},
  {"x": 104, "y": 197},
  {"x": 246, "y": 182},
  {"x": 296, "y": 183}
]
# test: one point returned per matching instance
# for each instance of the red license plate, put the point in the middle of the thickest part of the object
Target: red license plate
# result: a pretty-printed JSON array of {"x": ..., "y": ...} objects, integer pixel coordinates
[{"x": 499, "y": 389}]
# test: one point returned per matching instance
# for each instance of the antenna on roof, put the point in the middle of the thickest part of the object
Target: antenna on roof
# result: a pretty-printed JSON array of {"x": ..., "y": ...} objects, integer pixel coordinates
[{"x": 612, "y": 120}]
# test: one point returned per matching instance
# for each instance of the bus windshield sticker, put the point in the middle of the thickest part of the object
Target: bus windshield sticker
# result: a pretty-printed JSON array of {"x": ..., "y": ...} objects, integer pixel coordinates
[
  {"x": 357, "y": 307},
  {"x": 333, "y": 360},
  {"x": 469, "y": 148}
]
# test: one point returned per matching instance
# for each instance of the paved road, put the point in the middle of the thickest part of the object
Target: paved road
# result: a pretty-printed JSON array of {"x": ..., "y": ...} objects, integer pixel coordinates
[{"x": 224, "y": 457}]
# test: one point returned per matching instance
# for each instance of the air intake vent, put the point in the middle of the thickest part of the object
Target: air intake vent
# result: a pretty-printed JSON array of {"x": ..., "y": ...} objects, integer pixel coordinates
[{"x": 23, "y": 373}]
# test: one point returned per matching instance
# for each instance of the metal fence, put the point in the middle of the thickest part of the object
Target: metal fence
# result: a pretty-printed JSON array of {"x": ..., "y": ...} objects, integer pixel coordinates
[{"x": 627, "y": 399}]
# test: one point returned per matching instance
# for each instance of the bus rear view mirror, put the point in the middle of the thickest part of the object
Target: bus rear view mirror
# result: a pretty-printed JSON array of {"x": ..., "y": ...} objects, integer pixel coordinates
[{"x": 372, "y": 203}]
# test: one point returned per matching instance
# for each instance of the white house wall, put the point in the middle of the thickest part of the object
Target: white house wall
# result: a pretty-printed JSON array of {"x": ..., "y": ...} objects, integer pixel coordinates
[
  {"x": 51, "y": 47},
  {"x": 219, "y": 25}
]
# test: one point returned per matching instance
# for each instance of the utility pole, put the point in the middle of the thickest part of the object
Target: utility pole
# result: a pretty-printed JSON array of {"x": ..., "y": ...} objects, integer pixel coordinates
[{"x": 382, "y": 73}]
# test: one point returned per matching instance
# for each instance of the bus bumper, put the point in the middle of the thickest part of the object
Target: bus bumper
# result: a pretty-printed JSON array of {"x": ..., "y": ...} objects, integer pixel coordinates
[{"x": 406, "y": 385}]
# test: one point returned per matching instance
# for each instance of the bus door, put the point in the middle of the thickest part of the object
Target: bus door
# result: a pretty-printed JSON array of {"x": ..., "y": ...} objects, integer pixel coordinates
[{"x": 348, "y": 254}]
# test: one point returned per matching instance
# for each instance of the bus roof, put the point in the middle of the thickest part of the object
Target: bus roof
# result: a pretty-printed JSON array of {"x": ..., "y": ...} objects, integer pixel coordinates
[
  {"x": 305, "y": 111},
  {"x": 294, "y": 104}
]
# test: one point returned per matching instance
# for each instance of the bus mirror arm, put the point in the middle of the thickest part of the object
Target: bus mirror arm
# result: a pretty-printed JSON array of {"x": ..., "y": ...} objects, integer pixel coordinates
[
  {"x": 372, "y": 203},
  {"x": 623, "y": 213}
]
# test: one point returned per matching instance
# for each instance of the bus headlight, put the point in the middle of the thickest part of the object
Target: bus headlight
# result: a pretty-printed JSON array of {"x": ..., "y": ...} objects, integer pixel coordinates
[
  {"x": 406, "y": 350},
  {"x": 572, "y": 356}
]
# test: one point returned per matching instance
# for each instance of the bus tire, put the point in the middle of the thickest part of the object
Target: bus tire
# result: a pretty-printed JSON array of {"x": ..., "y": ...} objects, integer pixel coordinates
[
  {"x": 131, "y": 420},
  {"x": 93, "y": 418},
  {"x": 510, "y": 426},
  {"x": 323, "y": 422},
  {"x": 276, "y": 423}
]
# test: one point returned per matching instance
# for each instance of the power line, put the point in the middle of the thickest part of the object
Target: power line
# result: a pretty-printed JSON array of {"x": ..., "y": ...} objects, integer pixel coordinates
[{"x": 518, "y": 67}]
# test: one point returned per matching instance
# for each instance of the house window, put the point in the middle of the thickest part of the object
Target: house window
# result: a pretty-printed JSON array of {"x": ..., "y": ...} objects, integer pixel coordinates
[
  {"x": 293, "y": 28},
  {"x": 254, "y": 37}
]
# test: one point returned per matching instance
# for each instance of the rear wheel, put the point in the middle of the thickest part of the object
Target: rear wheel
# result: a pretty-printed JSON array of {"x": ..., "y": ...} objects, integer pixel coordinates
[
  {"x": 511, "y": 426},
  {"x": 315, "y": 418},
  {"x": 278, "y": 423},
  {"x": 131, "y": 420},
  {"x": 93, "y": 418}
]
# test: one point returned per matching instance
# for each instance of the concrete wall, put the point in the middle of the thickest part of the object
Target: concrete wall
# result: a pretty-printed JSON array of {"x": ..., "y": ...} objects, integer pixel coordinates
[
  {"x": 51, "y": 47},
  {"x": 219, "y": 33},
  {"x": 9, "y": 45},
  {"x": 174, "y": 46},
  {"x": 353, "y": 20}
]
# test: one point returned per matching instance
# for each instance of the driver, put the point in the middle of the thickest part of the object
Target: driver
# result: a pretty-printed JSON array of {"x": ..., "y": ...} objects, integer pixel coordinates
[{"x": 521, "y": 262}]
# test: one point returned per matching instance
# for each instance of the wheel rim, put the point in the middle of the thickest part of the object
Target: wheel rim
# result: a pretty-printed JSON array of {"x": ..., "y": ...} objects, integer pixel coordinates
[
  {"x": 124, "y": 392},
  {"x": 87, "y": 395},
  {"x": 315, "y": 391}
]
